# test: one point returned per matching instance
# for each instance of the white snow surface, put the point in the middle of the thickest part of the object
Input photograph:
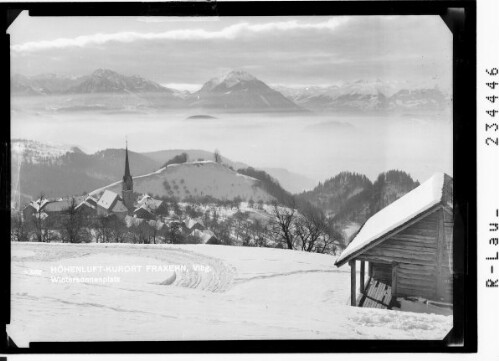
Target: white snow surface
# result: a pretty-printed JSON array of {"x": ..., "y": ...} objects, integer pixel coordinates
[
  {"x": 397, "y": 213},
  {"x": 224, "y": 292}
]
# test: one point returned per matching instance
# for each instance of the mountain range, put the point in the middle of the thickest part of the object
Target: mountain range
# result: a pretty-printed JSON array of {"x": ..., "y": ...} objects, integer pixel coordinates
[{"x": 236, "y": 91}]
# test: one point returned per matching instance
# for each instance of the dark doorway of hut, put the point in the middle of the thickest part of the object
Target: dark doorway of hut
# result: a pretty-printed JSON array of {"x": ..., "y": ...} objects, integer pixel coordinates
[{"x": 375, "y": 291}]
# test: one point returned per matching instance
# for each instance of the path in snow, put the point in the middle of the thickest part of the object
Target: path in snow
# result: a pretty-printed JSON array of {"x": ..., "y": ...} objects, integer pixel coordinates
[{"x": 221, "y": 292}]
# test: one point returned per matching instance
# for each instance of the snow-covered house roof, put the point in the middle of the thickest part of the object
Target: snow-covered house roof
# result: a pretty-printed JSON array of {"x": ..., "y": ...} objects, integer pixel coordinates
[
  {"x": 107, "y": 199},
  {"x": 85, "y": 204},
  {"x": 204, "y": 236},
  {"x": 190, "y": 223},
  {"x": 38, "y": 204},
  {"x": 57, "y": 206},
  {"x": 435, "y": 192}
]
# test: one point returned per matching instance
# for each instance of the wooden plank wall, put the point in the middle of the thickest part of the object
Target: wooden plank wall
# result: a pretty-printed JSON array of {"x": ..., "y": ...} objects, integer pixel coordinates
[
  {"x": 446, "y": 266},
  {"x": 415, "y": 250}
]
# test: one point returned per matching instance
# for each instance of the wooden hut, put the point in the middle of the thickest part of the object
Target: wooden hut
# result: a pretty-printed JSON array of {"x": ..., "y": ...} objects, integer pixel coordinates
[{"x": 407, "y": 247}]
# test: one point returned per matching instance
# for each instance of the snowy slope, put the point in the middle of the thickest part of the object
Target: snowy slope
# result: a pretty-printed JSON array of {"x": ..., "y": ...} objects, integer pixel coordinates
[
  {"x": 197, "y": 179},
  {"x": 34, "y": 151},
  {"x": 221, "y": 293}
]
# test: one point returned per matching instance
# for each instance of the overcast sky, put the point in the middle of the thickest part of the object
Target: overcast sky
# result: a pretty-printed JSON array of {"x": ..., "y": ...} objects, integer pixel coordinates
[{"x": 186, "y": 52}]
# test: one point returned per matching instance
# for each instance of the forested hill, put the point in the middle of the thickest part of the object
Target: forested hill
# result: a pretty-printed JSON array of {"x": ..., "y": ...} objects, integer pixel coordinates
[{"x": 350, "y": 197}]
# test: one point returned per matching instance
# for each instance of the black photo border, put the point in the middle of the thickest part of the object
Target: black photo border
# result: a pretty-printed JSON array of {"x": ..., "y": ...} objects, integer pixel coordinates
[{"x": 459, "y": 16}]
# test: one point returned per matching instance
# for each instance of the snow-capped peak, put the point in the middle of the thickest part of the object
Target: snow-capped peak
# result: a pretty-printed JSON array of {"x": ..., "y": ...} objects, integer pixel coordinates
[{"x": 238, "y": 75}]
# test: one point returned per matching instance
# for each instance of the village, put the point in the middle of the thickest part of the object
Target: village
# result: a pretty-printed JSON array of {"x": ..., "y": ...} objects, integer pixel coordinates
[{"x": 105, "y": 216}]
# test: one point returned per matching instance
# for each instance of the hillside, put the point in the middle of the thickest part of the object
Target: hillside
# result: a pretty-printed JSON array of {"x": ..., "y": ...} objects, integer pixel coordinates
[
  {"x": 351, "y": 198},
  {"x": 292, "y": 182},
  {"x": 60, "y": 170},
  {"x": 161, "y": 156},
  {"x": 196, "y": 179}
]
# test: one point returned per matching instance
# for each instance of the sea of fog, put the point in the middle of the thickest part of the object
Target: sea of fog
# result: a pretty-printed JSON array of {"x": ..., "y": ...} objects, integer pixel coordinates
[{"x": 317, "y": 146}]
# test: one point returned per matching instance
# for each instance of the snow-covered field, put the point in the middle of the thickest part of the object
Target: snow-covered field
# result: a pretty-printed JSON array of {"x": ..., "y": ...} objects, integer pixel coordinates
[{"x": 193, "y": 292}]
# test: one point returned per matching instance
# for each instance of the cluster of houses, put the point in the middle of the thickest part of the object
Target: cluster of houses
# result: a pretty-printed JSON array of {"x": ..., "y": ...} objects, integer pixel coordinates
[{"x": 145, "y": 210}]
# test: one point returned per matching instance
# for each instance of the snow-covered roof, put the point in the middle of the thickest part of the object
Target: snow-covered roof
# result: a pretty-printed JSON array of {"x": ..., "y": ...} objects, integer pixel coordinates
[
  {"x": 38, "y": 204},
  {"x": 57, "y": 206},
  {"x": 192, "y": 222},
  {"x": 429, "y": 194},
  {"x": 204, "y": 236},
  {"x": 107, "y": 199},
  {"x": 85, "y": 203}
]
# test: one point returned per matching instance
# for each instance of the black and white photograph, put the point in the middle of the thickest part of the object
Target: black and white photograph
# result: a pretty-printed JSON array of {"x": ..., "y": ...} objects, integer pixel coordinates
[{"x": 197, "y": 178}]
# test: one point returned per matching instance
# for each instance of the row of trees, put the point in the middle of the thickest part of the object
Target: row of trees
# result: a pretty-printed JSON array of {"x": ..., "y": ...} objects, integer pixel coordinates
[
  {"x": 310, "y": 230},
  {"x": 286, "y": 227}
]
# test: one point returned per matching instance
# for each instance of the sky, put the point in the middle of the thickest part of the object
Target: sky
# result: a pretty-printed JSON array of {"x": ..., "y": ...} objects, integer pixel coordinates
[{"x": 186, "y": 52}]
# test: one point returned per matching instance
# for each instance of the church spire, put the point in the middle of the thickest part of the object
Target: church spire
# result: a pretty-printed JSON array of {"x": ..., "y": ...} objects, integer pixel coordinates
[
  {"x": 127, "y": 167},
  {"x": 127, "y": 185}
]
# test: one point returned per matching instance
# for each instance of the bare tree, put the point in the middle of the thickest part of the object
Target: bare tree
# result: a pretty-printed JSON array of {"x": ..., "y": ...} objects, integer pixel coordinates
[
  {"x": 259, "y": 233},
  {"x": 40, "y": 222},
  {"x": 72, "y": 224},
  {"x": 283, "y": 223},
  {"x": 117, "y": 229},
  {"x": 315, "y": 232},
  {"x": 103, "y": 227},
  {"x": 19, "y": 229}
]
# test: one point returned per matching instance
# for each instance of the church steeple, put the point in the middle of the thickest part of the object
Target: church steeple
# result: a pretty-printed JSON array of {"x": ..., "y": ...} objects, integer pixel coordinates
[
  {"x": 127, "y": 167},
  {"x": 127, "y": 185}
]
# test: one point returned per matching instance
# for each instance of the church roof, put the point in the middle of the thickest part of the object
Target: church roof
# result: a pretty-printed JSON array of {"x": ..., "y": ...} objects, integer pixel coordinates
[
  {"x": 119, "y": 207},
  {"x": 107, "y": 199}
]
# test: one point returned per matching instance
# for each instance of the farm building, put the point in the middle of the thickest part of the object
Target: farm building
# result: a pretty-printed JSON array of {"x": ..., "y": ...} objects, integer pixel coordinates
[{"x": 407, "y": 247}]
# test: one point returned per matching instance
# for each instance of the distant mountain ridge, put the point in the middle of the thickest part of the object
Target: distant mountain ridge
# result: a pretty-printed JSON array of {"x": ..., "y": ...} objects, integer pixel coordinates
[
  {"x": 370, "y": 96},
  {"x": 236, "y": 91}
]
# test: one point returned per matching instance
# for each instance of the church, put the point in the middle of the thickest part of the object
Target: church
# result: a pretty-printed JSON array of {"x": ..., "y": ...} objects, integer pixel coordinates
[{"x": 111, "y": 203}]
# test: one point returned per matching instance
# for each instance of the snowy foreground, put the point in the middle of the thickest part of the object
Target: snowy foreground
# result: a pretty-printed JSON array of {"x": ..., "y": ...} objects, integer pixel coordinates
[{"x": 192, "y": 292}]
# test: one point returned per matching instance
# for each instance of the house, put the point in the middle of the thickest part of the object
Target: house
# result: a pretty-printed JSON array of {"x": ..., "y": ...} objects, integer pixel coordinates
[
  {"x": 52, "y": 208},
  {"x": 205, "y": 237},
  {"x": 111, "y": 203},
  {"x": 143, "y": 212},
  {"x": 33, "y": 208},
  {"x": 149, "y": 208},
  {"x": 192, "y": 224},
  {"x": 408, "y": 247},
  {"x": 88, "y": 207}
]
